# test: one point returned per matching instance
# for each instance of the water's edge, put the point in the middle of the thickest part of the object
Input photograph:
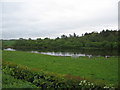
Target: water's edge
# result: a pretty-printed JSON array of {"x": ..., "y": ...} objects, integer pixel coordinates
[{"x": 72, "y": 54}]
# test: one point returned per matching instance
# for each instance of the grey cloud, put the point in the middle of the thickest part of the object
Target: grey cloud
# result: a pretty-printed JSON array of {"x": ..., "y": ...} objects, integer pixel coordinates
[
  {"x": 11, "y": 7},
  {"x": 17, "y": 22}
]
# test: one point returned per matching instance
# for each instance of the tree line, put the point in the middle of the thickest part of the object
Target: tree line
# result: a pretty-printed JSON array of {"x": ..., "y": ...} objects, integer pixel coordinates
[{"x": 106, "y": 39}]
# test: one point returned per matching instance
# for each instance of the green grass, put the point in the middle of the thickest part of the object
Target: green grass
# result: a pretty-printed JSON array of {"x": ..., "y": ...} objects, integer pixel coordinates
[{"x": 96, "y": 68}]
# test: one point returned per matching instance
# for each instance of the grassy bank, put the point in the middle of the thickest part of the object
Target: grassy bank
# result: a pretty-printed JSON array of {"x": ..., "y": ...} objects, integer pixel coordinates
[
  {"x": 45, "y": 80},
  {"x": 96, "y": 68}
]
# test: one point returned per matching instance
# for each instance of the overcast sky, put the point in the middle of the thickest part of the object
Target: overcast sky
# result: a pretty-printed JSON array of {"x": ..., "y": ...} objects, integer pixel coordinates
[{"x": 52, "y": 18}]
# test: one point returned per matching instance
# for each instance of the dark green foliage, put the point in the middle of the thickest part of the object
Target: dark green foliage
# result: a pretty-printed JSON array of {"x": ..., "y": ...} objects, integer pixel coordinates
[
  {"x": 103, "y": 40},
  {"x": 11, "y": 82},
  {"x": 8, "y": 43}
]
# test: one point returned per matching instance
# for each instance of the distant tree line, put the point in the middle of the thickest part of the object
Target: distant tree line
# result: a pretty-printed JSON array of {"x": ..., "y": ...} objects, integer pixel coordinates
[{"x": 106, "y": 39}]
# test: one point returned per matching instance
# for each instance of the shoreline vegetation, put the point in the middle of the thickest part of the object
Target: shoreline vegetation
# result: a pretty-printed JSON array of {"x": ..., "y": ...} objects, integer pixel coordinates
[{"x": 106, "y": 39}]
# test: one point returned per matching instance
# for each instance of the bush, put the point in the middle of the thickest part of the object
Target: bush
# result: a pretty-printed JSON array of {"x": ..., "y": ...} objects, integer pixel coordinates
[{"x": 10, "y": 82}]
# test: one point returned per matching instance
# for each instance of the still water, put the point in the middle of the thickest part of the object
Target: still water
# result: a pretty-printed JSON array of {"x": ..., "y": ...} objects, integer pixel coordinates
[
  {"x": 60, "y": 53},
  {"x": 9, "y": 49},
  {"x": 77, "y": 53}
]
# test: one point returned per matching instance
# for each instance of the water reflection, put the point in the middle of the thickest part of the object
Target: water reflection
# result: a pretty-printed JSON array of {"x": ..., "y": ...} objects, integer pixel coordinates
[
  {"x": 75, "y": 53},
  {"x": 62, "y": 54},
  {"x": 9, "y": 49}
]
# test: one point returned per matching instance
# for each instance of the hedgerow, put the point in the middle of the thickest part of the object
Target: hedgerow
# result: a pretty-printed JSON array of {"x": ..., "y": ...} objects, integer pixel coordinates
[{"x": 45, "y": 80}]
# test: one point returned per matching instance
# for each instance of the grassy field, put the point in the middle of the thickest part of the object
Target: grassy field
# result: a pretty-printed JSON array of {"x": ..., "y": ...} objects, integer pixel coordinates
[{"x": 96, "y": 68}]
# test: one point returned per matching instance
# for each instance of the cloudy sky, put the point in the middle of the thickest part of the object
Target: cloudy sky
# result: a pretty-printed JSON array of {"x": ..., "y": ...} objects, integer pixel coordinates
[{"x": 52, "y": 18}]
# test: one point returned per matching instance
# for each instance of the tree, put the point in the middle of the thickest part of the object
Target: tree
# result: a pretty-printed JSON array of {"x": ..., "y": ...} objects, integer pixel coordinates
[
  {"x": 74, "y": 35},
  {"x": 63, "y": 36},
  {"x": 86, "y": 34}
]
